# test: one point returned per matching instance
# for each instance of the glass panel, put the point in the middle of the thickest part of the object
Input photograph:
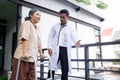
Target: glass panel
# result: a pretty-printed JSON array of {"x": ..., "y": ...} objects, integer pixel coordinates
[
  {"x": 86, "y": 34},
  {"x": 2, "y": 28},
  {"x": 1, "y": 39},
  {"x": 1, "y": 57}
]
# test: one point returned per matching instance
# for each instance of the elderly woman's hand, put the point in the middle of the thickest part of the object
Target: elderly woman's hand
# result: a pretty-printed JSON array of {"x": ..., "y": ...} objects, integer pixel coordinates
[
  {"x": 42, "y": 56},
  {"x": 25, "y": 55}
]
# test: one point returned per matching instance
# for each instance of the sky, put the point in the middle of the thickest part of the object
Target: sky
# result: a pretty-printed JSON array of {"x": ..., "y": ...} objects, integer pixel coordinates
[{"x": 111, "y": 14}]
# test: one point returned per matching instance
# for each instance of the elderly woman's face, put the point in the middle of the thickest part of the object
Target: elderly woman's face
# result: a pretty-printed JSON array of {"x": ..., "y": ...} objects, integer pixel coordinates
[{"x": 36, "y": 16}]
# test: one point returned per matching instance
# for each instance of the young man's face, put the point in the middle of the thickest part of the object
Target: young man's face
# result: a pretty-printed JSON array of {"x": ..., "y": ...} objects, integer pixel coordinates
[{"x": 63, "y": 18}]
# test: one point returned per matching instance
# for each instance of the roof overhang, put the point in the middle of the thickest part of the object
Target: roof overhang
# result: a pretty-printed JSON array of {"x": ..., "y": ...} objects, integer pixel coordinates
[{"x": 78, "y": 6}]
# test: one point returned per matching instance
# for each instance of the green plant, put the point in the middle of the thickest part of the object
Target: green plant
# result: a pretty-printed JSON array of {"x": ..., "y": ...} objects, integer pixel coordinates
[
  {"x": 10, "y": 60},
  {"x": 3, "y": 77},
  {"x": 99, "y": 4},
  {"x": 87, "y": 2},
  {"x": 116, "y": 63}
]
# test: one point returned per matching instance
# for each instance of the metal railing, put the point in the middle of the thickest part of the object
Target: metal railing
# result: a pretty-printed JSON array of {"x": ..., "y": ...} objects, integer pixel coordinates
[{"x": 86, "y": 59}]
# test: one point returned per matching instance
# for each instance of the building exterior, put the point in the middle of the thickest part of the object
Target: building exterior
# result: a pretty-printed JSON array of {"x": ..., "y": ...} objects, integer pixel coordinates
[
  {"x": 13, "y": 12},
  {"x": 109, "y": 35}
]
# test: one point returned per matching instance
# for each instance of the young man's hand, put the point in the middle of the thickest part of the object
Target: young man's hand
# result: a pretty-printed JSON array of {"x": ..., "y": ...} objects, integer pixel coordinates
[
  {"x": 50, "y": 51},
  {"x": 78, "y": 43}
]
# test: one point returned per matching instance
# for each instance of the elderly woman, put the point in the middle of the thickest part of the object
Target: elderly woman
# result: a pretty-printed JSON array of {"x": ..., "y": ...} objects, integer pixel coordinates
[{"x": 29, "y": 44}]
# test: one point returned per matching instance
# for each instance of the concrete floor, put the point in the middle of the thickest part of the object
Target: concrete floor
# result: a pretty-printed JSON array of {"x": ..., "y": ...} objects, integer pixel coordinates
[
  {"x": 98, "y": 76},
  {"x": 107, "y": 76}
]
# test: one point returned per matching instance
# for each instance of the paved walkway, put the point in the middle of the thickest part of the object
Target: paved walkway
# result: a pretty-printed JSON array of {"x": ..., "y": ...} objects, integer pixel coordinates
[
  {"x": 94, "y": 76},
  {"x": 107, "y": 76},
  {"x": 98, "y": 76}
]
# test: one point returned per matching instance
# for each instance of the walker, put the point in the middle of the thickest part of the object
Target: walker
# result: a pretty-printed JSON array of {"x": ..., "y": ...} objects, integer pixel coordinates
[{"x": 35, "y": 64}]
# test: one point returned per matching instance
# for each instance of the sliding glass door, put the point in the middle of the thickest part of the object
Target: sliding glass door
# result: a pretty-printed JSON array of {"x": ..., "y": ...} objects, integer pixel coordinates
[{"x": 2, "y": 40}]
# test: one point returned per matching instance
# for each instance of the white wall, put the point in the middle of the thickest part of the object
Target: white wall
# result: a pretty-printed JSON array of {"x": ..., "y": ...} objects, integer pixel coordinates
[
  {"x": 10, "y": 29},
  {"x": 57, "y": 5}
]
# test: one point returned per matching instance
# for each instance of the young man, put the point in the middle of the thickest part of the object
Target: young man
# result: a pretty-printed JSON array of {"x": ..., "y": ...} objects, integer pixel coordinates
[{"x": 59, "y": 45}]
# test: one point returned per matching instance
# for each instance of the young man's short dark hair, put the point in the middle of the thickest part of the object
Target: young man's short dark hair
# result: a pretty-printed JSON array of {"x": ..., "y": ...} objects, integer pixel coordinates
[{"x": 64, "y": 11}]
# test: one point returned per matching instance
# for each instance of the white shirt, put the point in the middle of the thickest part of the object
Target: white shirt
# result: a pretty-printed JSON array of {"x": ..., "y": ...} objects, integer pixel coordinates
[{"x": 62, "y": 37}]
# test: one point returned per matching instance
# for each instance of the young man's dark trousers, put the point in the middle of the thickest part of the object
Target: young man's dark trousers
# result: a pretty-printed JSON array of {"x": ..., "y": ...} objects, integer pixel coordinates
[{"x": 63, "y": 58}]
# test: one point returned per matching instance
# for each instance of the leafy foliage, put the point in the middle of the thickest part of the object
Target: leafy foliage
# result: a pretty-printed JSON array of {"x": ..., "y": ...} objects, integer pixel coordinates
[
  {"x": 99, "y": 4},
  {"x": 87, "y": 2},
  {"x": 116, "y": 63},
  {"x": 3, "y": 78}
]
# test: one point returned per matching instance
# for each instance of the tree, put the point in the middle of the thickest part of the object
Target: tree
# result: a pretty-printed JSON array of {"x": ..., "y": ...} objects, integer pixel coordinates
[{"x": 99, "y": 4}]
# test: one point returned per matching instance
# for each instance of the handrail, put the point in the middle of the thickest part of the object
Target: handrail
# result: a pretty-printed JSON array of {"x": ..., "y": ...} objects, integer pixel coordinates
[{"x": 87, "y": 60}]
